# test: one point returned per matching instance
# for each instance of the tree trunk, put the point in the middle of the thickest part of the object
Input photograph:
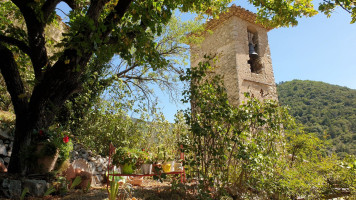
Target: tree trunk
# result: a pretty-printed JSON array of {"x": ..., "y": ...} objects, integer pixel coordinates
[
  {"x": 48, "y": 96},
  {"x": 11, "y": 75},
  {"x": 23, "y": 131}
]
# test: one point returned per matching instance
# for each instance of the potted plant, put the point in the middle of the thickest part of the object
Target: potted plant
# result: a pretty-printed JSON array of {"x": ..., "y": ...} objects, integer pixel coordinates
[
  {"x": 178, "y": 165},
  {"x": 168, "y": 164},
  {"x": 52, "y": 145},
  {"x": 47, "y": 154},
  {"x": 146, "y": 167},
  {"x": 166, "y": 167},
  {"x": 127, "y": 159}
]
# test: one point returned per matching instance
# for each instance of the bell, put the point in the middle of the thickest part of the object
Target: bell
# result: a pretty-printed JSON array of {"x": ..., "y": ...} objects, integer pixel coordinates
[{"x": 251, "y": 50}]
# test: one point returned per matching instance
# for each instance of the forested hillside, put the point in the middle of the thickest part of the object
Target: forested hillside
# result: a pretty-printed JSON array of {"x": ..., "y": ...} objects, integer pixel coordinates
[{"x": 325, "y": 109}]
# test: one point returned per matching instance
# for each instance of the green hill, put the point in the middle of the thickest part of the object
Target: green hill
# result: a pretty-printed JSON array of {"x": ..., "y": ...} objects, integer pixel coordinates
[{"x": 324, "y": 109}]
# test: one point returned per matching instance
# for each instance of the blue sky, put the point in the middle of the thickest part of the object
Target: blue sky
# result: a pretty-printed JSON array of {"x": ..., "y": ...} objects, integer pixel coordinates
[{"x": 319, "y": 49}]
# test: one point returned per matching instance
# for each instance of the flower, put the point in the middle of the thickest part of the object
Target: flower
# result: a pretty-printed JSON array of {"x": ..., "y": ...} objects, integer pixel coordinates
[
  {"x": 41, "y": 133},
  {"x": 65, "y": 139}
]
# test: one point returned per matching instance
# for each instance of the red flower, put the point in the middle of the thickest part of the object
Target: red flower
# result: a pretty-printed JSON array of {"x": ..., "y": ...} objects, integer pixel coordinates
[
  {"x": 40, "y": 132},
  {"x": 65, "y": 139}
]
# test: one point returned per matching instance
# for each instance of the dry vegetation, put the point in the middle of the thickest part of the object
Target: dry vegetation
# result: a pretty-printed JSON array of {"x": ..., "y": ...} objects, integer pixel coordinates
[{"x": 7, "y": 117}]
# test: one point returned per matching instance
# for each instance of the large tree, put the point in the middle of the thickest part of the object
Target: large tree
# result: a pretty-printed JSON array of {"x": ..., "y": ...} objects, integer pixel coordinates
[{"x": 96, "y": 30}]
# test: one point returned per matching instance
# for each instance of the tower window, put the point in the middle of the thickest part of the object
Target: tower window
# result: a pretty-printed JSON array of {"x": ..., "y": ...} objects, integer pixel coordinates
[{"x": 255, "y": 60}]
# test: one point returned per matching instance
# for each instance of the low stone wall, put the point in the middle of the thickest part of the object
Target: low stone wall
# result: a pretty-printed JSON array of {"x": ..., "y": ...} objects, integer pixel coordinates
[
  {"x": 12, "y": 188},
  {"x": 97, "y": 163},
  {"x": 6, "y": 142}
]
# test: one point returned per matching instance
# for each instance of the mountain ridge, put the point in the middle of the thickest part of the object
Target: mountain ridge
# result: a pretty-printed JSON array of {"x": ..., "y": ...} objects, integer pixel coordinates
[{"x": 325, "y": 109}]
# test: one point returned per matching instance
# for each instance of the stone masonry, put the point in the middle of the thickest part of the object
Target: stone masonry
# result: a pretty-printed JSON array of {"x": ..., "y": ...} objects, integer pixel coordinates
[
  {"x": 6, "y": 141},
  {"x": 230, "y": 44}
]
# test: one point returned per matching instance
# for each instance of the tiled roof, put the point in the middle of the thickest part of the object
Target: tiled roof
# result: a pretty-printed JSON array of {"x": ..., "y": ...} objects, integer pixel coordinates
[{"x": 235, "y": 11}]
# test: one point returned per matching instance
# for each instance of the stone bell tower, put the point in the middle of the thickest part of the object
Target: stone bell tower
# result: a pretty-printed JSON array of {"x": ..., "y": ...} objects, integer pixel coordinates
[{"x": 242, "y": 52}]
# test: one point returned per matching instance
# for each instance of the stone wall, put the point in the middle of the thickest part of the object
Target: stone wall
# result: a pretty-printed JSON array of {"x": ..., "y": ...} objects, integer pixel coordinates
[{"x": 6, "y": 142}]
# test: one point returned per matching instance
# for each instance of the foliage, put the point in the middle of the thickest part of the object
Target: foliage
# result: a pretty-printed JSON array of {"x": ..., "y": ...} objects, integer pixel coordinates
[
  {"x": 130, "y": 84},
  {"x": 24, "y": 192},
  {"x": 282, "y": 13},
  {"x": 162, "y": 141},
  {"x": 115, "y": 178},
  {"x": 60, "y": 185},
  {"x": 159, "y": 174},
  {"x": 327, "y": 110},
  {"x": 5, "y": 99},
  {"x": 128, "y": 156},
  {"x": 106, "y": 122},
  {"x": 95, "y": 121},
  {"x": 49, "y": 191},
  {"x": 285, "y": 13},
  {"x": 109, "y": 122},
  {"x": 95, "y": 31},
  {"x": 255, "y": 150},
  {"x": 327, "y": 7},
  {"x": 120, "y": 193},
  {"x": 54, "y": 139},
  {"x": 310, "y": 172},
  {"x": 230, "y": 145},
  {"x": 49, "y": 149},
  {"x": 114, "y": 190},
  {"x": 76, "y": 182}
]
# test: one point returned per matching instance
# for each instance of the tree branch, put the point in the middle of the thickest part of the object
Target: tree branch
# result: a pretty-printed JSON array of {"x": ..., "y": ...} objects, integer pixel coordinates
[
  {"x": 145, "y": 92},
  {"x": 343, "y": 6},
  {"x": 131, "y": 35},
  {"x": 48, "y": 8},
  {"x": 64, "y": 80},
  {"x": 115, "y": 16},
  {"x": 71, "y": 3},
  {"x": 140, "y": 78},
  {"x": 35, "y": 32},
  {"x": 20, "y": 44},
  {"x": 96, "y": 6},
  {"x": 20, "y": 3},
  {"x": 14, "y": 84},
  {"x": 126, "y": 70},
  {"x": 340, "y": 4}
]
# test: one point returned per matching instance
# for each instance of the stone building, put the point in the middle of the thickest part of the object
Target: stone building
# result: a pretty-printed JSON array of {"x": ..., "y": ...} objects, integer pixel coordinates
[{"x": 243, "y": 54}]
